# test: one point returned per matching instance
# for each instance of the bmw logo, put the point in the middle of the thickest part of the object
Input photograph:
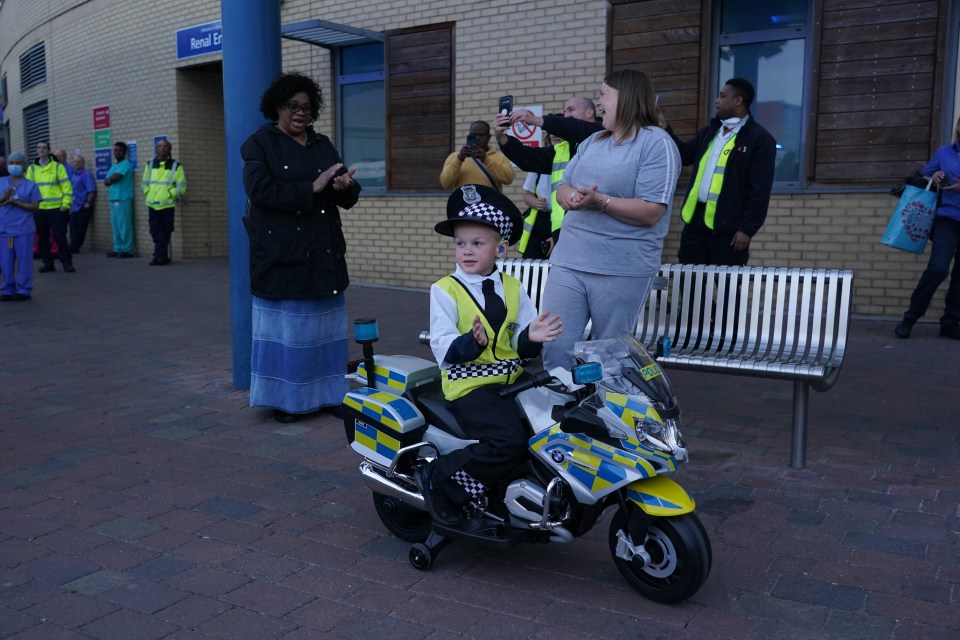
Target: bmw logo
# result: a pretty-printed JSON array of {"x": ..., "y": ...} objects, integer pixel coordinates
[{"x": 557, "y": 456}]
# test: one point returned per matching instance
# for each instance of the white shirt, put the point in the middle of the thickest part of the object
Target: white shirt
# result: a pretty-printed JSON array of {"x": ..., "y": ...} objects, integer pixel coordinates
[
  {"x": 540, "y": 186},
  {"x": 714, "y": 157},
  {"x": 444, "y": 316}
]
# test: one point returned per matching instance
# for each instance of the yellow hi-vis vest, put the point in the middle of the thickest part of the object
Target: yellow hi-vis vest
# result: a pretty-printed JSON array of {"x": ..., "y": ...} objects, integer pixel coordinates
[
  {"x": 561, "y": 158},
  {"x": 716, "y": 184},
  {"x": 499, "y": 363},
  {"x": 163, "y": 183},
  {"x": 54, "y": 184}
]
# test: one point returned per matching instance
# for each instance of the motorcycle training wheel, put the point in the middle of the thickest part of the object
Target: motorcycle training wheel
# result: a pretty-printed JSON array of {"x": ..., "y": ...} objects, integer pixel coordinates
[
  {"x": 402, "y": 520},
  {"x": 680, "y": 557},
  {"x": 420, "y": 557}
]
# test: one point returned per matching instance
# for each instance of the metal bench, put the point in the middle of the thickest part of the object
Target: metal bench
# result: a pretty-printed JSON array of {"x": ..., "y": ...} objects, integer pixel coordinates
[{"x": 766, "y": 322}]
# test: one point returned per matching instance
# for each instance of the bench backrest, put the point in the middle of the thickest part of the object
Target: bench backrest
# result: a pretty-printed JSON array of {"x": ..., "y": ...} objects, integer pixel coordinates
[{"x": 767, "y": 314}]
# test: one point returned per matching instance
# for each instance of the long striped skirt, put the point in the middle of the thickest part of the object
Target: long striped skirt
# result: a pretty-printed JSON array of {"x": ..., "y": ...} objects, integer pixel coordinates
[{"x": 299, "y": 353}]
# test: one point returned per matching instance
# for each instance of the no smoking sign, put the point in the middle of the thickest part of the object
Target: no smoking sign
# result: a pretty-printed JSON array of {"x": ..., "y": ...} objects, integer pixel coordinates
[{"x": 528, "y": 134}]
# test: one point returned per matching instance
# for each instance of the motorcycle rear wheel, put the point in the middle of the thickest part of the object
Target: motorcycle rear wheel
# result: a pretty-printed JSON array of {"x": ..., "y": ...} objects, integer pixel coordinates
[
  {"x": 402, "y": 520},
  {"x": 680, "y": 557}
]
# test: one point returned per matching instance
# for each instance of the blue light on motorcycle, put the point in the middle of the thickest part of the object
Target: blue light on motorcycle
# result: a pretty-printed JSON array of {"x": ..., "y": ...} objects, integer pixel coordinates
[
  {"x": 587, "y": 372},
  {"x": 365, "y": 330}
]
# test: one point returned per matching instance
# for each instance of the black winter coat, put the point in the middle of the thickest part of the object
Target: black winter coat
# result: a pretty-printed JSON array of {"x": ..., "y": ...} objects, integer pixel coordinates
[
  {"x": 297, "y": 248},
  {"x": 748, "y": 179}
]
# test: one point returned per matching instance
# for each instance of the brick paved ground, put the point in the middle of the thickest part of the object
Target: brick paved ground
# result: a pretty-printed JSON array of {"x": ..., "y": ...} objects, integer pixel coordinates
[{"x": 141, "y": 498}]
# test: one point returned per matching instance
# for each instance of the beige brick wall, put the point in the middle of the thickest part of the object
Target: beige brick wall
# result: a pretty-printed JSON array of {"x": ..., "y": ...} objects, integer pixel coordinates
[{"x": 122, "y": 53}]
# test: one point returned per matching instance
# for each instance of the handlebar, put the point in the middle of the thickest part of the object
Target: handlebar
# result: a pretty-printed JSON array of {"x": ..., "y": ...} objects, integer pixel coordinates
[{"x": 536, "y": 380}]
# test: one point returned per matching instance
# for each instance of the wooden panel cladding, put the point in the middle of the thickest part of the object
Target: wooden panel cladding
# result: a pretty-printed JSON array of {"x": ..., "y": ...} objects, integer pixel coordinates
[
  {"x": 663, "y": 39},
  {"x": 419, "y": 95},
  {"x": 878, "y": 105}
]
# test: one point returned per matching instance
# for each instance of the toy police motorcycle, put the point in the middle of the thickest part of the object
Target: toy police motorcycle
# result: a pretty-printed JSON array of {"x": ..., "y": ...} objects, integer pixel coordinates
[{"x": 602, "y": 436}]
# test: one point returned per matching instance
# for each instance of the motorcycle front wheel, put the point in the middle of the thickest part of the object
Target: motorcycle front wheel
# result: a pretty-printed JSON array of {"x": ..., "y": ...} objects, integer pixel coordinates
[
  {"x": 680, "y": 557},
  {"x": 402, "y": 520}
]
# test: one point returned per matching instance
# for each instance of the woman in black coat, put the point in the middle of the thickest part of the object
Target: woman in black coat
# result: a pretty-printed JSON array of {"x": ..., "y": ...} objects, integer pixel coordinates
[{"x": 296, "y": 184}]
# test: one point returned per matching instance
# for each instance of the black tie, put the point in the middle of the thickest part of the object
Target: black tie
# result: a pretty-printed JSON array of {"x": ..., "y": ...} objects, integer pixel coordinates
[{"x": 493, "y": 307}]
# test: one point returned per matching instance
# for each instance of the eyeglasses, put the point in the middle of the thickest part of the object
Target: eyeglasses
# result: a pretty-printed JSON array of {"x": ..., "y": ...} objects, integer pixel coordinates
[{"x": 295, "y": 107}]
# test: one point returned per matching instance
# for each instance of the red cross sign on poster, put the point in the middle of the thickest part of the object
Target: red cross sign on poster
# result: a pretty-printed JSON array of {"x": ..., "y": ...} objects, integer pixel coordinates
[{"x": 528, "y": 134}]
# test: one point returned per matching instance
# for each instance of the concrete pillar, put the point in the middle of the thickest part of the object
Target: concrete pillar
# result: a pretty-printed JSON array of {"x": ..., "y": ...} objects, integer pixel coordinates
[{"x": 251, "y": 61}]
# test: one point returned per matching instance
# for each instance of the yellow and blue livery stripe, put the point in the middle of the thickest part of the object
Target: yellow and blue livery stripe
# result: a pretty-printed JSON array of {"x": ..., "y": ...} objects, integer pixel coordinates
[
  {"x": 384, "y": 376},
  {"x": 660, "y": 496},
  {"x": 386, "y": 408},
  {"x": 375, "y": 440},
  {"x": 593, "y": 464}
]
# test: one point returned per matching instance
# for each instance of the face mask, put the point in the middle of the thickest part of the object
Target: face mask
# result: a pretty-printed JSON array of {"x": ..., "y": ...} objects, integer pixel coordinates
[
  {"x": 15, "y": 170},
  {"x": 730, "y": 123}
]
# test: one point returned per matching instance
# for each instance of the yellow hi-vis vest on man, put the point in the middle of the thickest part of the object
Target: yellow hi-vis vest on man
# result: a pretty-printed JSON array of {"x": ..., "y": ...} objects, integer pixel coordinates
[
  {"x": 716, "y": 183},
  {"x": 55, "y": 189},
  {"x": 499, "y": 363},
  {"x": 561, "y": 158},
  {"x": 163, "y": 183}
]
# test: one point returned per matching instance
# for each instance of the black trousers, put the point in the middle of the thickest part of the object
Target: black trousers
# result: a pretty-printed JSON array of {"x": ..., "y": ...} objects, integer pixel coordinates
[
  {"x": 161, "y": 228},
  {"x": 53, "y": 221},
  {"x": 701, "y": 245},
  {"x": 79, "y": 222},
  {"x": 502, "y": 445}
]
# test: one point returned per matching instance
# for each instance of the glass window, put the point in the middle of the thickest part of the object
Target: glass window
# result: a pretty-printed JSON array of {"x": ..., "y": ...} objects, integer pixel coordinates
[
  {"x": 361, "y": 115},
  {"x": 774, "y": 68},
  {"x": 768, "y": 48},
  {"x": 738, "y": 16}
]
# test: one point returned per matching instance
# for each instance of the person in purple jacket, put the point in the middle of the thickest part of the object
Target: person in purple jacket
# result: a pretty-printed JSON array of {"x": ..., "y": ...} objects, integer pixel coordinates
[
  {"x": 944, "y": 168},
  {"x": 84, "y": 195}
]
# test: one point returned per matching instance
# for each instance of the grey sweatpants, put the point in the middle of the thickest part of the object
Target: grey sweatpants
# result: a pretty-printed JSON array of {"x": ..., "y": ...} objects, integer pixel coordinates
[{"x": 612, "y": 303}]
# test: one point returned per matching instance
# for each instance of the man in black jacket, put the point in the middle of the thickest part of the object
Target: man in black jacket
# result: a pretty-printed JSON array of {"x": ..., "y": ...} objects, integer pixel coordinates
[
  {"x": 730, "y": 189},
  {"x": 577, "y": 123}
]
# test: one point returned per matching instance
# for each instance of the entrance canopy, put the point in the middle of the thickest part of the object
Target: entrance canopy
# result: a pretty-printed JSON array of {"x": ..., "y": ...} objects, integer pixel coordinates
[{"x": 328, "y": 34}]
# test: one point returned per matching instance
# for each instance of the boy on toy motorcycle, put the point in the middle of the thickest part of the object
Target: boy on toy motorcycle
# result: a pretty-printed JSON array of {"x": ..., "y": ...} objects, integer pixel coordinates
[{"x": 482, "y": 323}]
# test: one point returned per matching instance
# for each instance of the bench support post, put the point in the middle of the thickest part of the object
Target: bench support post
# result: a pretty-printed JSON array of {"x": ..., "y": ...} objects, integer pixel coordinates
[{"x": 801, "y": 400}]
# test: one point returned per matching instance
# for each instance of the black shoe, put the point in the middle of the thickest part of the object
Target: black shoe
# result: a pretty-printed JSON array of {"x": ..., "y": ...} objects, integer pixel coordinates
[
  {"x": 283, "y": 417},
  {"x": 903, "y": 329},
  {"x": 155, "y": 262},
  {"x": 46, "y": 269},
  {"x": 951, "y": 331},
  {"x": 6, "y": 298},
  {"x": 20, "y": 297},
  {"x": 112, "y": 254},
  {"x": 69, "y": 269},
  {"x": 438, "y": 505},
  {"x": 163, "y": 261},
  {"x": 124, "y": 254}
]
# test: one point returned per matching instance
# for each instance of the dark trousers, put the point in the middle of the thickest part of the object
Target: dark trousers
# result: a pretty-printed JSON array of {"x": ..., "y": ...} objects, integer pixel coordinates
[
  {"x": 161, "y": 228},
  {"x": 53, "y": 221},
  {"x": 79, "y": 222},
  {"x": 945, "y": 247},
  {"x": 502, "y": 445},
  {"x": 701, "y": 245}
]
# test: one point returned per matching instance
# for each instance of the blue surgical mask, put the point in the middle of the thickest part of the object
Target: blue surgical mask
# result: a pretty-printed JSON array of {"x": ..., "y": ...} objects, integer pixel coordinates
[{"x": 15, "y": 170}]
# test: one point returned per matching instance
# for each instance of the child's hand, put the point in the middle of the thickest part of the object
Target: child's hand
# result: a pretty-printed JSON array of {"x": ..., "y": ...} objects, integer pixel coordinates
[
  {"x": 545, "y": 329},
  {"x": 479, "y": 333}
]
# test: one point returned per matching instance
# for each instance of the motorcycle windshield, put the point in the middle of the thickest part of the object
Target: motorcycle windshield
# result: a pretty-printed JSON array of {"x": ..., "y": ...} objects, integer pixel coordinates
[{"x": 630, "y": 370}]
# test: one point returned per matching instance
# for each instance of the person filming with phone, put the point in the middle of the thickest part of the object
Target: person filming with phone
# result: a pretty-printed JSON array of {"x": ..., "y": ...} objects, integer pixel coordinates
[{"x": 477, "y": 162}]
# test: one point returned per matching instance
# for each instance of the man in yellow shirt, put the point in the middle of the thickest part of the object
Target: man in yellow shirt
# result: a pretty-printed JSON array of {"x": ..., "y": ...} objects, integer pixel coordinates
[{"x": 477, "y": 162}]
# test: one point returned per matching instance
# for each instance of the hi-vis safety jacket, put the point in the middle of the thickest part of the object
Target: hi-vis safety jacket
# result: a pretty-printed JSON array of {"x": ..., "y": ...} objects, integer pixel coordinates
[
  {"x": 716, "y": 184},
  {"x": 561, "y": 158},
  {"x": 499, "y": 363},
  {"x": 163, "y": 183},
  {"x": 55, "y": 189}
]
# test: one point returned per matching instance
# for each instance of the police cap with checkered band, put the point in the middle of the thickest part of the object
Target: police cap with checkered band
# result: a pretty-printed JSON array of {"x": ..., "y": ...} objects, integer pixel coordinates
[{"x": 482, "y": 205}]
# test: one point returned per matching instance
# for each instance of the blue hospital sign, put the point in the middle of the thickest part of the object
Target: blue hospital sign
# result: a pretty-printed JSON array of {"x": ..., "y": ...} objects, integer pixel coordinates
[{"x": 199, "y": 39}]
